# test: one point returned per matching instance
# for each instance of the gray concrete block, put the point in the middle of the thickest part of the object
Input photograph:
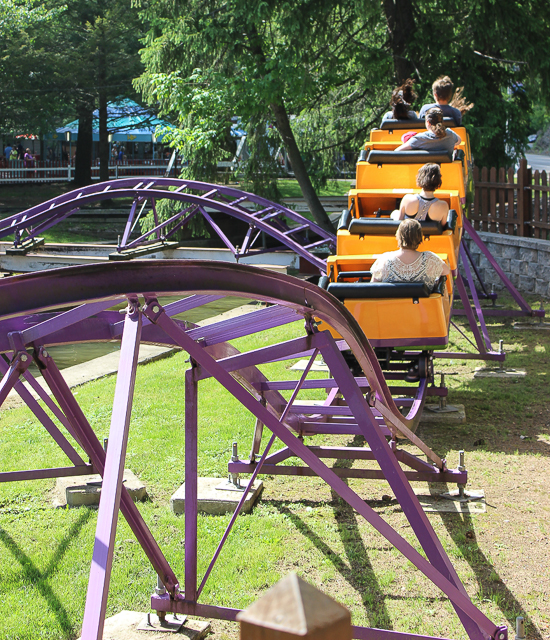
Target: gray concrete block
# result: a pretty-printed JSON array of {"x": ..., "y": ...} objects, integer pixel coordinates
[
  {"x": 510, "y": 251},
  {"x": 496, "y": 372},
  {"x": 542, "y": 288},
  {"x": 529, "y": 255},
  {"x": 78, "y": 491},
  {"x": 452, "y": 414},
  {"x": 515, "y": 266},
  {"x": 216, "y": 501},
  {"x": 526, "y": 284},
  {"x": 124, "y": 626}
]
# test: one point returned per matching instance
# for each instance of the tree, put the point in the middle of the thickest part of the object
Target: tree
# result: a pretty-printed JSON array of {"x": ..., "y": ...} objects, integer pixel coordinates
[
  {"x": 258, "y": 60},
  {"x": 492, "y": 49}
]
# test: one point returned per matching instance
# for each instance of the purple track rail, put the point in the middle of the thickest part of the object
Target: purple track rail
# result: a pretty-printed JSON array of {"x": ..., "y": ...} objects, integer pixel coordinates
[
  {"x": 290, "y": 229},
  {"x": 196, "y": 198},
  {"x": 73, "y": 304}
]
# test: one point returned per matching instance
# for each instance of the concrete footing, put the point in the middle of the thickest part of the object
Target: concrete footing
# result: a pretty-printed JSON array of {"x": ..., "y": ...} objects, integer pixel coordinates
[
  {"x": 496, "y": 372},
  {"x": 125, "y": 626},
  {"x": 531, "y": 326},
  {"x": 451, "y": 414},
  {"x": 216, "y": 496},
  {"x": 78, "y": 491}
]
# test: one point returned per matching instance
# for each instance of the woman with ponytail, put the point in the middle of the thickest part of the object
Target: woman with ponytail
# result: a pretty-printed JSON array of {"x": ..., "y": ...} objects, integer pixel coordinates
[{"x": 436, "y": 138}]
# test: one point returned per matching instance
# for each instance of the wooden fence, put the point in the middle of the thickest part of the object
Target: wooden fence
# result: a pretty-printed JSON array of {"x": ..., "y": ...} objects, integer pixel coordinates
[{"x": 510, "y": 203}]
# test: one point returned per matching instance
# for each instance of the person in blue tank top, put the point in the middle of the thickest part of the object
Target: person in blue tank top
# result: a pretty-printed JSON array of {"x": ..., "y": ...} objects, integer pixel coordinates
[{"x": 436, "y": 137}]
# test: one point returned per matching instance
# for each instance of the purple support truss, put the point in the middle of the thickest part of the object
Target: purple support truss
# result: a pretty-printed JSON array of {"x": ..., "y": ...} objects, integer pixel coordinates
[
  {"x": 363, "y": 404},
  {"x": 289, "y": 228}
]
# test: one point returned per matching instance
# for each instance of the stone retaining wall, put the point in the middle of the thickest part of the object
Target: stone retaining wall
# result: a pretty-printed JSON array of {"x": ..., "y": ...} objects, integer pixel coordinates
[{"x": 526, "y": 261}]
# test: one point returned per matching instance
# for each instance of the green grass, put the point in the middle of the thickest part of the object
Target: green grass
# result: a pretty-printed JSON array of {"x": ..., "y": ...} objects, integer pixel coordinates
[{"x": 299, "y": 524}]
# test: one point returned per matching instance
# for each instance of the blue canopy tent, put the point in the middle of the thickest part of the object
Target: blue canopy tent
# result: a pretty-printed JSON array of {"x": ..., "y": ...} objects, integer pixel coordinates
[{"x": 129, "y": 124}]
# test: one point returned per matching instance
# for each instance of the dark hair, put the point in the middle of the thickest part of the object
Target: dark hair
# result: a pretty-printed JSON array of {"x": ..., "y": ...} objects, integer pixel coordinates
[
  {"x": 429, "y": 177},
  {"x": 409, "y": 234},
  {"x": 443, "y": 88},
  {"x": 402, "y": 99},
  {"x": 435, "y": 117}
]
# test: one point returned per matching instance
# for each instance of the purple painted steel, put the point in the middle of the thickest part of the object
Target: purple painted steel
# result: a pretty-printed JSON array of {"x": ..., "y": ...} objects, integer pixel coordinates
[
  {"x": 362, "y": 474},
  {"x": 257, "y": 469},
  {"x": 475, "y": 298},
  {"x": 102, "y": 559},
  {"x": 238, "y": 374},
  {"x": 469, "y": 229},
  {"x": 46, "y": 421},
  {"x": 40, "y": 474},
  {"x": 469, "y": 313},
  {"x": 440, "y": 571},
  {"x": 191, "y": 508},
  {"x": 20, "y": 362},
  {"x": 218, "y": 231},
  {"x": 225, "y": 199},
  {"x": 63, "y": 320},
  {"x": 93, "y": 448},
  {"x": 464, "y": 246}
]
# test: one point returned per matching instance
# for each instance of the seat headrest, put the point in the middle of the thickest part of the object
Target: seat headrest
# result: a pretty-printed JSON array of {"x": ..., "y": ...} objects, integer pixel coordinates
[
  {"x": 408, "y": 157},
  {"x": 402, "y": 124},
  {"x": 362, "y": 290},
  {"x": 388, "y": 227}
]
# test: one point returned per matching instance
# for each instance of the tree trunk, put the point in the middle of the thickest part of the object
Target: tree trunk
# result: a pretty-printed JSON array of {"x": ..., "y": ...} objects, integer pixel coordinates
[
  {"x": 83, "y": 161},
  {"x": 103, "y": 138},
  {"x": 401, "y": 27},
  {"x": 314, "y": 205}
]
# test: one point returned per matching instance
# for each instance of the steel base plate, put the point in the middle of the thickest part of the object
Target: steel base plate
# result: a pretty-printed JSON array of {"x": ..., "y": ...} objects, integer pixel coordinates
[{"x": 171, "y": 623}]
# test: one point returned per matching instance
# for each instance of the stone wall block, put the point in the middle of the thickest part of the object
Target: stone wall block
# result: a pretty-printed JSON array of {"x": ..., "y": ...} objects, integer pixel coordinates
[
  {"x": 515, "y": 266},
  {"x": 527, "y": 284},
  {"x": 529, "y": 255},
  {"x": 542, "y": 288},
  {"x": 510, "y": 251}
]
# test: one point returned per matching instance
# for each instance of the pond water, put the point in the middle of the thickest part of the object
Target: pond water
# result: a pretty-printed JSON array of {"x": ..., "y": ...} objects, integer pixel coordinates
[{"x": 72, "y": 354}]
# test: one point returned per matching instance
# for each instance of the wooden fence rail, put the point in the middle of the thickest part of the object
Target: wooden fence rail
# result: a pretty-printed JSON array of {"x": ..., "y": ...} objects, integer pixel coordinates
[{"x": 511, "y": 203}]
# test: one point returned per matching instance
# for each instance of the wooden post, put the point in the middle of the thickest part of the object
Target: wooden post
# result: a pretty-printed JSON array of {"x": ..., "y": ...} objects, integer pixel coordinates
[
  {"x": 295, "y": 609},
  {"x": 524, "y": 198}
]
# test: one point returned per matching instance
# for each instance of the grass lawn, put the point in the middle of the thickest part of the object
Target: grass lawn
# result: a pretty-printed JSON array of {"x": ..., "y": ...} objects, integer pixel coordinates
[{"x": 299, "y": 524}]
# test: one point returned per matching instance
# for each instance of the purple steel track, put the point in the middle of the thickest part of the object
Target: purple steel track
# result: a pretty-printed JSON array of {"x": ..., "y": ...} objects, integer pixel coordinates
[
  {"x": 196, "y": 198},
  {"x": 74, "y": 304}
]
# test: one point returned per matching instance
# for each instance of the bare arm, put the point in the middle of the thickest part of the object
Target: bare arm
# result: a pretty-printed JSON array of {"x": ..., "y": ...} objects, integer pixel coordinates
[{"x": 405, "y": 147}]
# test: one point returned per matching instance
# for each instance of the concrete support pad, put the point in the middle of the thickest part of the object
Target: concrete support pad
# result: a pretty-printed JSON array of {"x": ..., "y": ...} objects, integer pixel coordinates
[
  {"x": 451, "y": 414},
  {"x": 318, "y": 365},
  {"x": 78, "y": 491},
  {"x": 431, "y": 503},
  {"x": 215, "y": 500},
  {"x": 124, "y": 626},
  {"x": 496, "y": 372},
  {"x": 531, "y": 326}
]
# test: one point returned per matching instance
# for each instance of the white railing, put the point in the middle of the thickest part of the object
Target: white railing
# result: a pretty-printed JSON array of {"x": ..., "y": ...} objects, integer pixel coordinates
[{"x": 45, "y": 171}]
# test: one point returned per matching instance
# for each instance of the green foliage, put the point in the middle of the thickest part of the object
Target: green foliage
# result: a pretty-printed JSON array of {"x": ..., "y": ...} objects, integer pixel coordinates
[{"x": 195, "y": 228}]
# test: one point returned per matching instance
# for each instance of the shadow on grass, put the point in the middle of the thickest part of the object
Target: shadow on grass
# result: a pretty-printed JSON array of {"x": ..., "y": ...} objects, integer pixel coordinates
[
  {"x": 39, "y": 579},
  {"x": 358, "y": 570},
  {"x": 493, "y": 588}
]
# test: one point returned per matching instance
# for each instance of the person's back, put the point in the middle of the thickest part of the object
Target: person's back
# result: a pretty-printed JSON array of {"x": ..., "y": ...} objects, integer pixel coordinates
[
  {"x": 436, "y": 138},
  {"x": 7, "y": 151},
  {"x": 442, "y": 90},
  {"x": 407, "y": 264}
]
